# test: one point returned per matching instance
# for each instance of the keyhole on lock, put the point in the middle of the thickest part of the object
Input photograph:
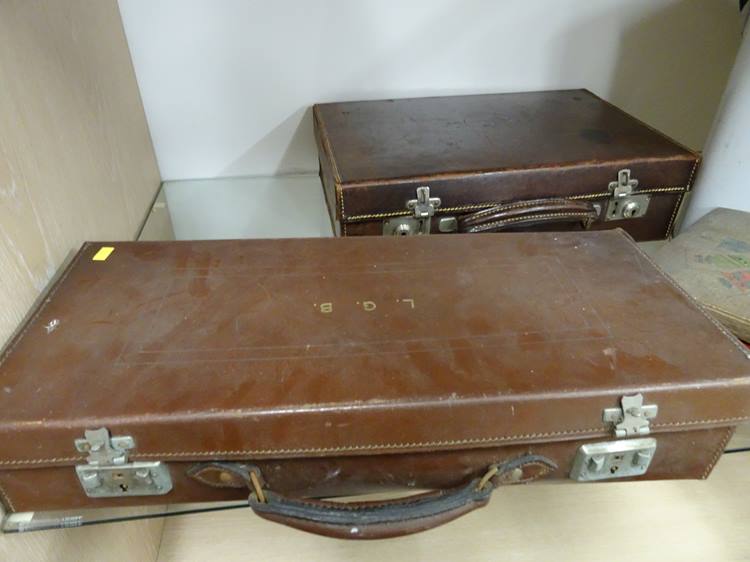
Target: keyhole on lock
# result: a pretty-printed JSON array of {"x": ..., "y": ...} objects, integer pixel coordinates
[{"x": 630, "y": 209}]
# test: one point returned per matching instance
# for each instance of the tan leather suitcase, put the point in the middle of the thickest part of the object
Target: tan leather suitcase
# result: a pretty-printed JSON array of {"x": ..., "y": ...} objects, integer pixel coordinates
[
  {"x": 290, "y": 370},
  {"x": 557, "y": 160}
]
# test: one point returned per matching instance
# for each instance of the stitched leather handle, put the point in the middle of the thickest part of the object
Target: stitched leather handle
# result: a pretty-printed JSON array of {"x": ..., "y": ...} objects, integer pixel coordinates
[
  {"x": 369, "y": 519},
  {"x": 529, "y": 213}
]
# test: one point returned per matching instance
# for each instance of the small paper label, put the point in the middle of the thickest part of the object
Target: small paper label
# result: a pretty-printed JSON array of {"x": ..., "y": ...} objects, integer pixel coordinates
[{"x": 103, "y": 253}]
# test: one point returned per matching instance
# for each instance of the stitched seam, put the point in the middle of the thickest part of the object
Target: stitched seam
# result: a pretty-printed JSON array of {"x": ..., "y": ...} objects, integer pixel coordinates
[
  {"x": 701, "y": 422},
  {"x": 668, "y": 234},
  {"x": 692, "y": 174},
  {"x": 720, "y": 310},
  {"x": 340, "y": 198},
  {"x": 439, "y": 210},
  {"x": 679, "y": 199},
  {"x": 638, "y": 192},
  {"x": 383, "y": 446},
  {"x": 350, "y": 448},
  {"x": 41, "y": 461},
  {"x": 719, "y": 451},
  {"x": 531, "y": 218},
  {"x": 692, "y": 300},
  {"x": 47, "y": 299},
  {"x": 486, "y": 206},
  {"x": 7, "y": 499}
]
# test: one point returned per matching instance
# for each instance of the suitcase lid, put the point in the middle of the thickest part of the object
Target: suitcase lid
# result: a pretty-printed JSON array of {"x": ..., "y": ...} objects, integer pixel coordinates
[
  {"x": 312, "y": 347},
  {"x": 500, "y": 146}
]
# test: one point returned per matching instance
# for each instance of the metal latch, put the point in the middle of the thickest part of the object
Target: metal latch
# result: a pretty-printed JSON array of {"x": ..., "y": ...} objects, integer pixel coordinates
[
  {"x": 624, "y": 204},
  {"x": 632, "y": 419},
  {"x": 613, "y": 459},
  {"x": 420, "y": 222},
  {"x": 108, "y": 472}
]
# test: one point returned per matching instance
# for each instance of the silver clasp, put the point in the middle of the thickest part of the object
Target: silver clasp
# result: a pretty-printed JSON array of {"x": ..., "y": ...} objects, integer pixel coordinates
[
  {"x": 422, "y": 209},
  {"x": 624, "y": 203},
  {"x": 632, "y": 419},
  {"x": 108, "y": 473}
]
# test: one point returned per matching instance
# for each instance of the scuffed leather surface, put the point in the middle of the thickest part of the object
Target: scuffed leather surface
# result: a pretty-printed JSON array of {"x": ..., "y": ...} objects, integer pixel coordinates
[
  {"x": 219, "y": 350},
  {"x": 684, "y": 454},
  {"x": 488, "y": 149}
]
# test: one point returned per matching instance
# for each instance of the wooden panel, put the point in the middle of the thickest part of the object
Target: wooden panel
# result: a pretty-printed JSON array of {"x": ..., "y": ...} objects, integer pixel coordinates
[
  {"x": 76, "y": 160},
  {"x": 644, "y": 521},
  {"x": 76, "y": 163}
]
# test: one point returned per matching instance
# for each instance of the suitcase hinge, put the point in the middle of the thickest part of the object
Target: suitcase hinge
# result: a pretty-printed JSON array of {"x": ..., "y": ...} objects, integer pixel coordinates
[
  {"x": 624, "y": 203},
  {"x": 422, "y": 210},
  {"x": 108, "y": 472},
  {"x": 632, "y": 418}
]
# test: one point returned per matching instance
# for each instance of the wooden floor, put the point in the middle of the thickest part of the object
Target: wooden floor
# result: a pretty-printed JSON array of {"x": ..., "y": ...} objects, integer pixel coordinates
[{"x": 639, "y": 521}]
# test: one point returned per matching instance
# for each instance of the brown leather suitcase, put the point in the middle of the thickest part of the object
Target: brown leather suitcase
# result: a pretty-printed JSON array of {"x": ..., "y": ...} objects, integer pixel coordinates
[
  {"x": 556, "y": 160},
  {"x": 288, "y": 370}
]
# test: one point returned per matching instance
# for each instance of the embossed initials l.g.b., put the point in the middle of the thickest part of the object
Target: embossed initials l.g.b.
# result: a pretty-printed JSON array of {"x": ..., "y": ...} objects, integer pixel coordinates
[{"x": 365, "y": 305}]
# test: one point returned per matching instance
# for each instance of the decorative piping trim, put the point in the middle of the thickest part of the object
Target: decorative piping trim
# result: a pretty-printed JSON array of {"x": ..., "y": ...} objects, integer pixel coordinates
[
  {"x": 668, "y": 234},
  {"x": 384, "y": 447},
  {"x": 717, "y": 454},
  {"x": 438, "y": 211},
  {"x": 488, "y": 205},
  {"x": 692, "y": 174},
  {"x": 676, "y": 210}
]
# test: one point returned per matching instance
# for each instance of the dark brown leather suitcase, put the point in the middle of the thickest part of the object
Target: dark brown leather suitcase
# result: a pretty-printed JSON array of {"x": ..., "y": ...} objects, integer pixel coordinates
[
  {"x": 170, "y": 372},
  {"x": 555, "y": 160}
]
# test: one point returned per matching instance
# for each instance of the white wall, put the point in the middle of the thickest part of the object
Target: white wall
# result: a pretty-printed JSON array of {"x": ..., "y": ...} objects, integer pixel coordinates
[
  {"x": 227, "y": 84},
  {"x": 724, "y": 180}
]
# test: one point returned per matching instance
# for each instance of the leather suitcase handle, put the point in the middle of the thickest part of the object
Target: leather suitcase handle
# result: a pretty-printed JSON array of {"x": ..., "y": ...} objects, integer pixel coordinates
[
  {"x": 369, "y": 519},
  {"x": 529, "y": 213}
]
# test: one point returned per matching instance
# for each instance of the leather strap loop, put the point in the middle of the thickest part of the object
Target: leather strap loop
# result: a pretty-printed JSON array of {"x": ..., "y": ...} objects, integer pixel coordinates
[
  {"x": 529, "y": 213},
  {"x": 368, "y": 519}
]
